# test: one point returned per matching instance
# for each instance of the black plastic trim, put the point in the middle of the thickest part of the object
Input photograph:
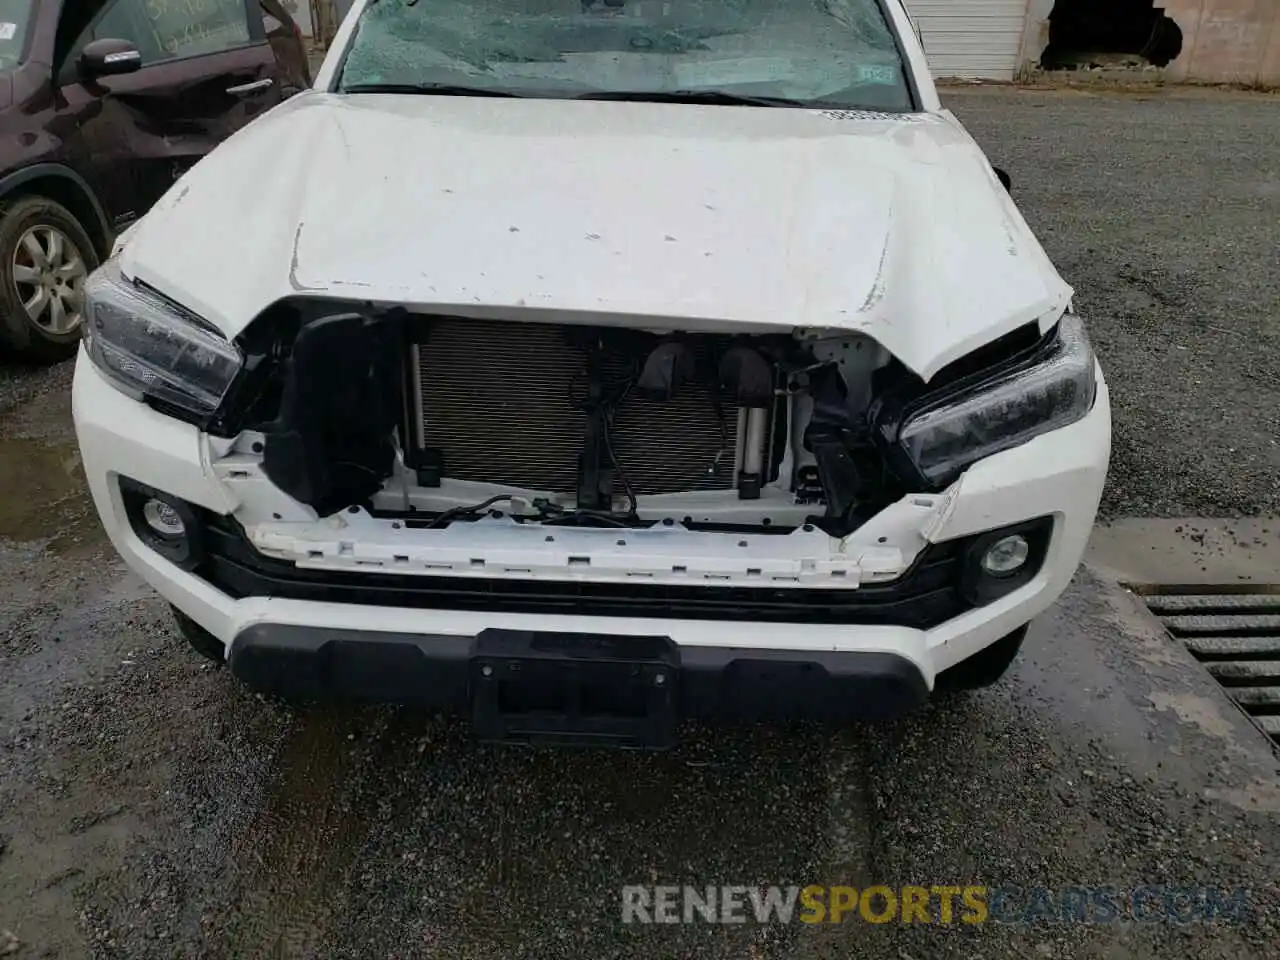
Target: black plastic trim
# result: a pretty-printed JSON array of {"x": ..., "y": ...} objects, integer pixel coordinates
[{"x": 712, "y": 682}]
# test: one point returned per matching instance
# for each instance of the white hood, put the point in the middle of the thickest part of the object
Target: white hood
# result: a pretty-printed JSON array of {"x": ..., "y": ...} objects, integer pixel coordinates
[{"x": 889, "y": 225}]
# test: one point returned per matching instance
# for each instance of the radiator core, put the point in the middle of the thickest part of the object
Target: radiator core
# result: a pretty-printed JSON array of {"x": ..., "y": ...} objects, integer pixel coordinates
[{"x": 496, "y": 399}]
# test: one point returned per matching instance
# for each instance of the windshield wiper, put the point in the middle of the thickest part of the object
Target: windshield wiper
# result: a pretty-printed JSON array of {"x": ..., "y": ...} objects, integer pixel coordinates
[
  {"x": 432, "y": 89},
  {"x": 693, "y": 96}
]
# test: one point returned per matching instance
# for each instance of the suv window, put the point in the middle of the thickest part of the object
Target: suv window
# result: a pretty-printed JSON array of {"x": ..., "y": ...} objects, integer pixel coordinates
[
  {"x": 173, "y": 29},
  {"x": 15, "y": 15}
]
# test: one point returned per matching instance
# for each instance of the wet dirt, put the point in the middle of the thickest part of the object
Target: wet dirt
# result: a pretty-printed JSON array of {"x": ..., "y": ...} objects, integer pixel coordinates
[
  {"x": 43, "y": 496},
  {"x": 44, "y": 500},
  {"x": 366, "y": 803},
  {"x": 298, "y": 846}
]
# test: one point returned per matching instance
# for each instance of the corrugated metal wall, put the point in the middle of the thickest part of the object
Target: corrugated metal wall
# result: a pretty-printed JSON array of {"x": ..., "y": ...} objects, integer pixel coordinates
[{"x": 971, "y": 38}]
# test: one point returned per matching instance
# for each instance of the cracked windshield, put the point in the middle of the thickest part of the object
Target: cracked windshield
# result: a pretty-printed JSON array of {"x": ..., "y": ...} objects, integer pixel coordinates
[{"x": 838, "y": 53}]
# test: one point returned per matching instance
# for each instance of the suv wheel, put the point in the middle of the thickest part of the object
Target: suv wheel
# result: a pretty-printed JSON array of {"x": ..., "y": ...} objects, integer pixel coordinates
[{"x": 45, "y": 257}]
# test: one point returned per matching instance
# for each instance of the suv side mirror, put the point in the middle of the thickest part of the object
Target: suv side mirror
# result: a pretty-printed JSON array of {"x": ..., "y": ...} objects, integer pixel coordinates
[{"x": 106, "y": 58}]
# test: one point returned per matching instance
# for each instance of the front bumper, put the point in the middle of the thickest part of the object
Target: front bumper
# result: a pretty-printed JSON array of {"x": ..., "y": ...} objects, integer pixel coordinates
[
  {"x": 452, "y": 672},
  {"x": 1059, "y": 475}
]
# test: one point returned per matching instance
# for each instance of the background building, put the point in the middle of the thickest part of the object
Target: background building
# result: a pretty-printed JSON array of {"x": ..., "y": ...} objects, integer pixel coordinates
[{"x": 1234, "y": 41}]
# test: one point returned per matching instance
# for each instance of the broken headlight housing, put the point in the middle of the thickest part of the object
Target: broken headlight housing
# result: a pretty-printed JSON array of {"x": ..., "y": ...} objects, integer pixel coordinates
[
  {"x": 936, "y": 435},
  {"x": 154, "y": 350}
]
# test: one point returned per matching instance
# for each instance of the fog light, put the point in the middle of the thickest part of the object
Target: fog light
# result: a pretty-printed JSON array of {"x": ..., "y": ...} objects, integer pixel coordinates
[
  {"x": 163, "y": 519},
  {"x": 998, "y": 562},
  {"x": 167, "y": 524},
  {"x": 1006, "y": 556}
]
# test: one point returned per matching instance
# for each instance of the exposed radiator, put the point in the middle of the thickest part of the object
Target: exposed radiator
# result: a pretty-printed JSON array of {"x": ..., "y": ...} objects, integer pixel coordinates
[{"x": 497, "y": 400}]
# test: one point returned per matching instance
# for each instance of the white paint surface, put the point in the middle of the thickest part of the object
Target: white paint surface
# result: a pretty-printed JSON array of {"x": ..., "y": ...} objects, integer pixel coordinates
[{"x": 700, "y": 217}]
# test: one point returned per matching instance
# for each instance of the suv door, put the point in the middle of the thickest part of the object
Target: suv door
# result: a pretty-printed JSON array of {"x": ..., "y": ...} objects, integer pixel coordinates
[{"x": 207, "y": 70}]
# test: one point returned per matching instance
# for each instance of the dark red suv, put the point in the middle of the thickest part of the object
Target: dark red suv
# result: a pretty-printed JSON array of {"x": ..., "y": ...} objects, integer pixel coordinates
[{"x": 103, "y": 104}]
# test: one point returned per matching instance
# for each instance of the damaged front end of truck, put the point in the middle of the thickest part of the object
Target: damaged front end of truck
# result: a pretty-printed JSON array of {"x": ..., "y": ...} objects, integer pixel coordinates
[{"x": 615, "y": 466}]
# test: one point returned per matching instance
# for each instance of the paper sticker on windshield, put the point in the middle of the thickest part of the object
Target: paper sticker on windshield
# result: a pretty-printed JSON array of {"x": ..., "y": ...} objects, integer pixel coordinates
[
  {"x": 726, "y": 73},
  {"x": 8, "y": 31},
  {"x": 877, "y": 73}
]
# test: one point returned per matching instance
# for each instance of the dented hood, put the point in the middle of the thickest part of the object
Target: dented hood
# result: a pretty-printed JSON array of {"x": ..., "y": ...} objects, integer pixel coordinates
[{"x": 891, "y": 225}]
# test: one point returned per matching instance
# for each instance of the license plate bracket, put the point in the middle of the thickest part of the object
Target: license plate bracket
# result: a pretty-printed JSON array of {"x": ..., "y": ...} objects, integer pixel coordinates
[{"x": 574, "y": 688}]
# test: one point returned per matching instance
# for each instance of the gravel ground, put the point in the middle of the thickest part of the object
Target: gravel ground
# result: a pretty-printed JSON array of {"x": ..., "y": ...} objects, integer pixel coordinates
[
  {"x": 152, "y": 808},
  {"x": 1161, "y": 211}
]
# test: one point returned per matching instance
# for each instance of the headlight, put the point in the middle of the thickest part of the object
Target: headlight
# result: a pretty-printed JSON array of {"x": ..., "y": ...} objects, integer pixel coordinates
[
  {"x": 946, "y": 432},
  {"x": 154, "y": 350}
]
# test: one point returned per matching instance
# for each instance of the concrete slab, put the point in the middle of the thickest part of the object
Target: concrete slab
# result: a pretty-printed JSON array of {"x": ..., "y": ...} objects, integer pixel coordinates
[{"x": 1188, "y": 552}]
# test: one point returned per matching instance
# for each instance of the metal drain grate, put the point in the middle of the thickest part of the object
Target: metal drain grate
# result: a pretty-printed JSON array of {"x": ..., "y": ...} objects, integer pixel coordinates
[{"x": 1237, "y": 638}]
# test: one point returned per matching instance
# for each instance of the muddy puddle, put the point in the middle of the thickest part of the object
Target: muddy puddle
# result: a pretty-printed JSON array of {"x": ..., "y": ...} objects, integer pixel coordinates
[
  {"x": 296, "y": 851},
  {"x": 43, "y": 495}
]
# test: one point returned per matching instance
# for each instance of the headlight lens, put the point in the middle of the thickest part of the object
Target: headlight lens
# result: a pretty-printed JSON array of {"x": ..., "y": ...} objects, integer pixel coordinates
[
  {"x": 154, "y": 350},
  {"x": 1010, "y": 408}
]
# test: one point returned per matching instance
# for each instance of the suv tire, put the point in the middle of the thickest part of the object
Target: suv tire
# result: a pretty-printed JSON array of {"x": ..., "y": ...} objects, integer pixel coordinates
[{"x": 45, "y": 257}]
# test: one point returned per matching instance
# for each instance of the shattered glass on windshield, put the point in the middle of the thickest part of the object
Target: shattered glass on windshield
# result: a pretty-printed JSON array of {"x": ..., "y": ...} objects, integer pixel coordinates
[{"x": 834, "y": 53}]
